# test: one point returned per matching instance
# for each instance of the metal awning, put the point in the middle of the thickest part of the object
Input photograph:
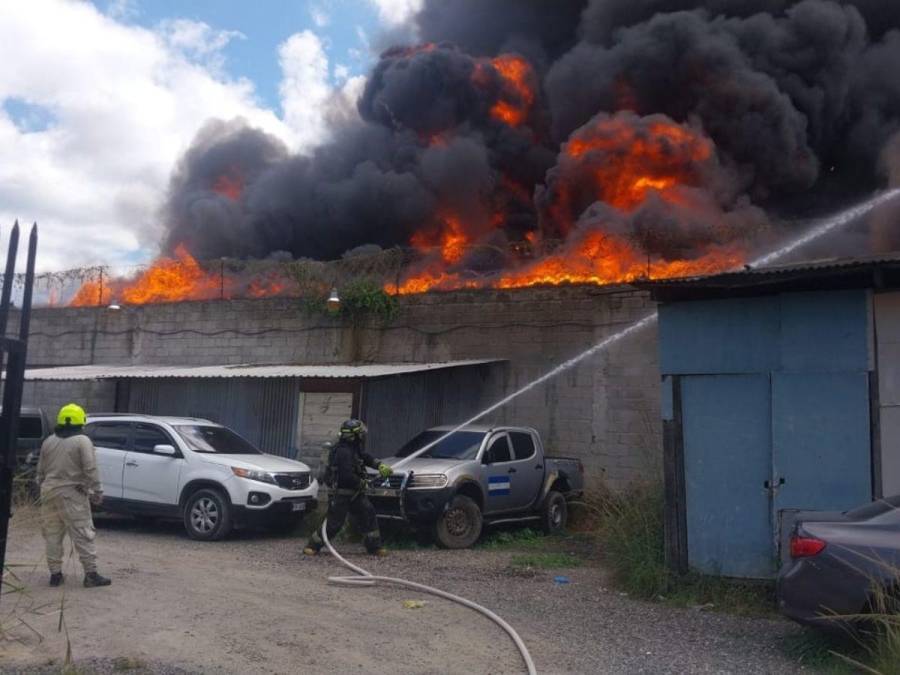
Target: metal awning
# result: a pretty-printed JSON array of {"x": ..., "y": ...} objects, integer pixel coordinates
[{"x": 337, "y": 371}]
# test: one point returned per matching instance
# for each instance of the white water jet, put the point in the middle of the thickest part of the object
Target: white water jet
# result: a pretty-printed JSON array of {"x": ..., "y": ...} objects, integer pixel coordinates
[{"x": 830, "y": 224}]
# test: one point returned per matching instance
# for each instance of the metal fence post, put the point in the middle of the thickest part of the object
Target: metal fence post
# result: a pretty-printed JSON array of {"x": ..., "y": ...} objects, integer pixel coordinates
[{"x": 15, "y": 377}]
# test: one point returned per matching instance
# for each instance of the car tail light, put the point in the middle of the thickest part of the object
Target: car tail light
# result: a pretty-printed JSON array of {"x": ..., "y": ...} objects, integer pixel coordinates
[{"x": 806, "y": 547}]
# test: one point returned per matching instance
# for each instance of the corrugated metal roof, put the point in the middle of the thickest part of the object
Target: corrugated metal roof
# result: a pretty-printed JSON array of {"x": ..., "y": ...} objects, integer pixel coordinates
[
  {"x": 809, "y": 275},
  {"x": 822, "y": 265},
  {"x": 101, "y": 372}
]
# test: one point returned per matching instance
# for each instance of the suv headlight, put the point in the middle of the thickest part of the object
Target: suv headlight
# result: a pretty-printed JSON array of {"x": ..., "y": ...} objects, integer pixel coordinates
[
  {"x": 261, "y": 476},
  {"x": 427, "y": 481}
]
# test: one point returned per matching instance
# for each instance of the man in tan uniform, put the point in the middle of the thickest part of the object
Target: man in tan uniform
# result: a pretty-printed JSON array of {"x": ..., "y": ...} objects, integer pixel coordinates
[{"x": 70, "y": 483}]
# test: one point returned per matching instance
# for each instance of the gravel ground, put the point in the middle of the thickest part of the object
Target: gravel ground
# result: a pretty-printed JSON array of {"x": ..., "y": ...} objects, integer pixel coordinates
[{"x": 254, "y": 604}]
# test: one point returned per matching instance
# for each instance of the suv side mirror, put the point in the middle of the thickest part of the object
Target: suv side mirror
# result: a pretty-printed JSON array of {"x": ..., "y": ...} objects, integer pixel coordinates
[
  {"x": 486, "y": 457},
  {"x": 165, "y": 450}
]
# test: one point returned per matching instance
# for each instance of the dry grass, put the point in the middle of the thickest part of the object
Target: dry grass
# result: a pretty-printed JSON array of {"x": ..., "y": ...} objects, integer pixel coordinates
[{"x": 18, "y": 606}]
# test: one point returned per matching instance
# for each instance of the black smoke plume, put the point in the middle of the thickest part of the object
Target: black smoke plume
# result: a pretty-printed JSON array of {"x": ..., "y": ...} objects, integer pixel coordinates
[{"x": 799, "y": 99}]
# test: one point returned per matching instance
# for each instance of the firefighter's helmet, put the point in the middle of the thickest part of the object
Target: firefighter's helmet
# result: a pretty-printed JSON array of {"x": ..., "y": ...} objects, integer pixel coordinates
[
  {"x": 353, "y": 430},
  {"x": 71, "y": 415}
]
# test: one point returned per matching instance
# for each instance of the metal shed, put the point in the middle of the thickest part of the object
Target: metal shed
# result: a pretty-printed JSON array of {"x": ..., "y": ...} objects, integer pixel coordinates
[
  {"x": 781, "y": 391},
  {"x": 289, "y": 409}
]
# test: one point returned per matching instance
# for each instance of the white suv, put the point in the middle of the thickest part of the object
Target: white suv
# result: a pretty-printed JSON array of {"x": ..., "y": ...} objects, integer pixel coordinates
[{"x": 197, "y": 471}]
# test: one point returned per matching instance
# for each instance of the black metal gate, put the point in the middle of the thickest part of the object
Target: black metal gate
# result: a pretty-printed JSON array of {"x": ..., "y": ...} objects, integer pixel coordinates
[{"x": 14, "y": 376}]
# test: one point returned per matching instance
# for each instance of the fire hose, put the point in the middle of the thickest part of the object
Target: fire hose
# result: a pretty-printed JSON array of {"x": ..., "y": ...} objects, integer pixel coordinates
[{"x": 365, "y": 578}]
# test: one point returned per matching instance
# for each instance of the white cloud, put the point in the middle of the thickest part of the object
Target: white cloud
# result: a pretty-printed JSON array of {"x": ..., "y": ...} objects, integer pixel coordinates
[
  {"x": 122, "y": 9},
  {"x": 396, "y": 12},
  {"x": 198, "y": 41},
  {"x": 304, "y": 89},
  {"x": 341, "y": 72},
  {"x": 121, "y": 105},
  {"x": 319, "y": 16}
]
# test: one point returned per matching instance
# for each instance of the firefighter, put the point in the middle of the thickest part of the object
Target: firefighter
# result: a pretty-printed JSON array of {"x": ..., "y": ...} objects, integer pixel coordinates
[
  {"x": 70, "y": 483},
  {"x": 345, "y": 476}
]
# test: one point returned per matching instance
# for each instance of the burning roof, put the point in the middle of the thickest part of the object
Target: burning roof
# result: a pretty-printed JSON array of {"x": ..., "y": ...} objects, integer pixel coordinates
[{"x": 525, "y": 142}]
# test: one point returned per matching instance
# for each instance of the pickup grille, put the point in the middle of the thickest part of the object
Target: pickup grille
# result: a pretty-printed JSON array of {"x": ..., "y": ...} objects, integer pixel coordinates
[
  {"x": 298, "y": 480},
  {"x": 391, "y": 482},
  {"x": 396, "y": 481},
  {"x": 427, "y": 481}
]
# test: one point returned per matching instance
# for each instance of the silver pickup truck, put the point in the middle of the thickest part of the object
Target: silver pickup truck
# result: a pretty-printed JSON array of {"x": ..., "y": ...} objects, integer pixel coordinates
[{"x": 476, "y": 476}]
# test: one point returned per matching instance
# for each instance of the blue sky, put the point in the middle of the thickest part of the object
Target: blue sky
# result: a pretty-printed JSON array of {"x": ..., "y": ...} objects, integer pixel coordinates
[{"x": 345, "y": 26}]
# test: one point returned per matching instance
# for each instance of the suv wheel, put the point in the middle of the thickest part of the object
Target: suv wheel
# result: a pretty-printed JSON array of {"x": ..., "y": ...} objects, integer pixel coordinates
[
  {"x": 460, "y": 525},
  {"x": 207, "y": 515},
  {"x": 554, "y": 513}
]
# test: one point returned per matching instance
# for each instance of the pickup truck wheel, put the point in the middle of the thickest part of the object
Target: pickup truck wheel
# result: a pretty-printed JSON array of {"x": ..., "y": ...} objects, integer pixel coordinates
[
  {"x": 207, "y": 515},
  {"x": 460, "y": 525},
  {"x": 554, "y": 513}
]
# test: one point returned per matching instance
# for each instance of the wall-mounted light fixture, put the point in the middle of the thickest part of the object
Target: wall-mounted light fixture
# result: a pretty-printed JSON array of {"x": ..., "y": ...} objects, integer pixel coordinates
[{"x": 334, "y": 301}]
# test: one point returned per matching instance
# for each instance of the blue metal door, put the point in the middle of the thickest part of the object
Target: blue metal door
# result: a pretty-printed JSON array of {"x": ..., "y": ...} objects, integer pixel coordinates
[
  {"x": 727, "y": 460},
  {"x": 821, "y": 449}
]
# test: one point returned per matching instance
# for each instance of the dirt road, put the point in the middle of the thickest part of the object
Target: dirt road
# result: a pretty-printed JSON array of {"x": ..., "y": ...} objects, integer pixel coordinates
[{"x": 253, "y": 604}]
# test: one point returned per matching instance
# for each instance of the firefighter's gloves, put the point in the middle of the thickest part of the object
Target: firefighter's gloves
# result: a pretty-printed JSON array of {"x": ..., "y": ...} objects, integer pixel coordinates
[{"x": 385, "y": 470}]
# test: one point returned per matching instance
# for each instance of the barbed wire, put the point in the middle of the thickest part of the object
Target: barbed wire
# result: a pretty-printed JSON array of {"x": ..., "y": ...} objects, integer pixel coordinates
[{"x": 231, "y": 278}]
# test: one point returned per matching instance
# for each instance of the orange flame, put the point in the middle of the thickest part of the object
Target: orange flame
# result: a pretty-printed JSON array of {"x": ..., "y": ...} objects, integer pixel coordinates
[
  {"x": 451, "y": 239},
  {"x": 621, "y": 161},
  {"x": 166, "y": 280},
  {"x": 230, "y": 186},
  {"x": 601, "y": 258},
  {"x": 172, "y": 280},
  {"x": 91, "y": 294},
  {"x": 267, "y": 287},
  {"x": 661, "y": 160},
  {"x": 518, "y": 86}
]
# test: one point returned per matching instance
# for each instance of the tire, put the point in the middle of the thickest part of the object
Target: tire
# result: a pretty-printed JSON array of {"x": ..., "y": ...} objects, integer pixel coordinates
[
  {"x": 554, "y": 513},
  {"x": 207, "y": 515},
  {"x": 460, "y": 525}
]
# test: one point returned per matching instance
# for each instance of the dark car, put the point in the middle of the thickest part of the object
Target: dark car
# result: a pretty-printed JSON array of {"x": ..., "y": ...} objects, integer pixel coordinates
[
  {"x": 842, "y": 564},
  {"x": 33, "y": 429}
]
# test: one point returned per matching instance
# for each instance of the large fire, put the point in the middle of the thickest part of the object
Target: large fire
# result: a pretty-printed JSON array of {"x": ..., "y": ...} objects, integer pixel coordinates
[
  {"x": 609, "y": 171},
  {"x": 617, "y": 162}
]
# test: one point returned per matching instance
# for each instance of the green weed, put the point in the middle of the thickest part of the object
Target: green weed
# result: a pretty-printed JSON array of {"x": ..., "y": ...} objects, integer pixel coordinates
[
  {"x": 520, "y": 537},
  {"x": 632, "y": 536},
  {"x": 821, "y": 651},
  {"x": 631, "y": 531}
]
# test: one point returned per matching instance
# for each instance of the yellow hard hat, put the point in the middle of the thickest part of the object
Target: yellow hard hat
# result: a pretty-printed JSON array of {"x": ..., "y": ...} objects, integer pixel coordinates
[{"x": 71, "y": 415}]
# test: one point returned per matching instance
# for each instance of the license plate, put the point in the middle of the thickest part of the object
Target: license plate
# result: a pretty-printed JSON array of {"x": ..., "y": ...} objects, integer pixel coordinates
[{"x": 298, "y": 506}]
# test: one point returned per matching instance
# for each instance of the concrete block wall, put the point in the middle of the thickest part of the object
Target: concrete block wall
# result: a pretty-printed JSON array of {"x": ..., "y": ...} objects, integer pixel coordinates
[
  {"x": 604, "y": 411},
  {"x": 51, "y": 396}
]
